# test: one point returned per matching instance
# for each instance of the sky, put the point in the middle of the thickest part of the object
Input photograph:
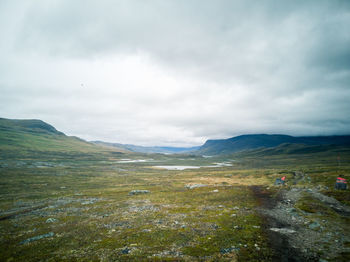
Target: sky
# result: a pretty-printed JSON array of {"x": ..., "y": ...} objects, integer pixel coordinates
[{"x": 177, "y": 72}]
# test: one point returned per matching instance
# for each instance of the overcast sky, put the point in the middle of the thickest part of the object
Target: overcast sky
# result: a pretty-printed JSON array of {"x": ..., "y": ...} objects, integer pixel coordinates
[{"x": 177, "y": 72}]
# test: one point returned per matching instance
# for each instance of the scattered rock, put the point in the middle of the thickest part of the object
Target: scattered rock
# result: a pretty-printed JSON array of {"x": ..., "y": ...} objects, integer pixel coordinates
[
  {"x": 150, "y": 208},
  {"x": 125, "y": 251},
  {"x": 51, "y": 220},
  {"x": 235, "y": 208},
  {"x": 137, "y": 192},
  {"x": 291, "y": 210},
  {"x": 213, "y": 226},
  {"x": 169, "y": 253},
  {"x": 122, "y": 224},
  {"x": 228, "y": 250},
  {"x": 51, "y": 234},
  {"x": 192, "y": 186},
  {"x": 314, "y": 225},
  {"x": 283, "y": 230},
  {"x": 158, "y": 222}
]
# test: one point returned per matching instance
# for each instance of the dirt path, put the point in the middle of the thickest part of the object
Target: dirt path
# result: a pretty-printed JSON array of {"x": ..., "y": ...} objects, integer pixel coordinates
[{"x": 279, "y": 242}]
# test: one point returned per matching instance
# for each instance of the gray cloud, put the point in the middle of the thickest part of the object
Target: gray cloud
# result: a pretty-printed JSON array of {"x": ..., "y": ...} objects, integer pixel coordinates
[{"x": 177, "y": 72}]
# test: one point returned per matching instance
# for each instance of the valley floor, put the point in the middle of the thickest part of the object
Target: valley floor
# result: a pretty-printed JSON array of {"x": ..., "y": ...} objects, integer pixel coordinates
[{"x": 112, "y": 209}]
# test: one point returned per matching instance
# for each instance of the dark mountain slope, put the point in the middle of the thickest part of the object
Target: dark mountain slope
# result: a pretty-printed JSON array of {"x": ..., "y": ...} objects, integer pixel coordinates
[
  {"x": 247, "y": 142},
  {"x": 295, "y": 149}
]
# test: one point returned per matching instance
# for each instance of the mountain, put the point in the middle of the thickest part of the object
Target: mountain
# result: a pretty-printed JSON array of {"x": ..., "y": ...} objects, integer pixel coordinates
[
  {"x": 148, "y": 149},
  {"x": 248, "y": 142},
  {"x": 28, "y": 126},
  {"x": 294, "y": 149},
  {"x": 35, "y": 137},
  {"x": 30, "y": 138}
]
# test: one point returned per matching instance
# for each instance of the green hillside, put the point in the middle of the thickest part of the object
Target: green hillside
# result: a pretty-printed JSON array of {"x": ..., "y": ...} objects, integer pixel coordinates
[{"x": 21, "y": 138}]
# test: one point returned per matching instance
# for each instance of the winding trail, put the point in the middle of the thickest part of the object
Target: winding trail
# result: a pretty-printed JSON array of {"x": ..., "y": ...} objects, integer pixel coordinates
[{"x": 282, "y": 251}]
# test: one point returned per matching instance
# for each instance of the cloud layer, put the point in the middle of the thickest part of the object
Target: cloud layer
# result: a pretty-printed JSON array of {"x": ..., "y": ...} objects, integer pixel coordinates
[{"x": 177, "y": 72}]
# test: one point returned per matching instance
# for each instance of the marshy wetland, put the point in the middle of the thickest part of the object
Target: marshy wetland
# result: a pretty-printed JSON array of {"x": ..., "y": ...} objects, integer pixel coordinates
[{"x": 110, "y": 206}]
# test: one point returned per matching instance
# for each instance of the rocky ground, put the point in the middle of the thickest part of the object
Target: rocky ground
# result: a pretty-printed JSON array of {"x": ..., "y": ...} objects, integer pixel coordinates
[
  {"x": 304, "y": 224},
  {"x": 101, "y": 212}
]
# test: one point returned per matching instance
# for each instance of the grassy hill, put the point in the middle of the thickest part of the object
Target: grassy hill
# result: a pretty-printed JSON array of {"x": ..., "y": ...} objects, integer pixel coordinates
[
  {"x": 28, "y": 125},
  {"x": 31, "y": 138}
]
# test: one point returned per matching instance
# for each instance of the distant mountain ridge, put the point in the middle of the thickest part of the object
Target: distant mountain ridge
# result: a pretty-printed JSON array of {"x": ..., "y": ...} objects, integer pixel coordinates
[
  {"x": 294, "y": 149},
  {"x": 34, "y": 135},
  {"x": 149, "y": 149},
  {"x": 248, "y": 142}
]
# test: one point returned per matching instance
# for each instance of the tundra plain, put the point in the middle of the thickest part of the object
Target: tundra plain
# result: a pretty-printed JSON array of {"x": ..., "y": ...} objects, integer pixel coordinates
[{"x": 103, "y": 206}]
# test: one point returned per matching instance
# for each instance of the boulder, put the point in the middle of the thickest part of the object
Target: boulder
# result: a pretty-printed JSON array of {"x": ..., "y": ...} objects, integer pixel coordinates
[
  {"x": 314, "y": 225},
  {"x": 51, "y": 220},
  {"x": 138, "y": 192},
  {"x": 51, "y": 234},
  {"x": 192, "y": 186},
  {"x": 283, "y": 230}
]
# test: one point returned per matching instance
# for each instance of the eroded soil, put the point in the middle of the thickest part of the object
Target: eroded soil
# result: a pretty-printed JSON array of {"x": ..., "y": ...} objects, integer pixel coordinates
[{"x": 303, "y": 224}]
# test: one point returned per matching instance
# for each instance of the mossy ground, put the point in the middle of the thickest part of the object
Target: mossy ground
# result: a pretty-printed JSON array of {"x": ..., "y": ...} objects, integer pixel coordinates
[{"x": 97, "y": 220}]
